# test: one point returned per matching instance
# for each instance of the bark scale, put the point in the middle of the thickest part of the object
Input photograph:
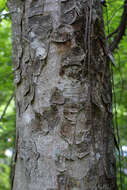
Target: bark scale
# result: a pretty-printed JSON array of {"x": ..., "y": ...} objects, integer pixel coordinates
[{"x": 65, "y": 138}]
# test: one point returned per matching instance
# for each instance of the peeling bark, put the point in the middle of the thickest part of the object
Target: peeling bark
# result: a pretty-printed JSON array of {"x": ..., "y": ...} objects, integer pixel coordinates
[{"x": 63, "y": 96}]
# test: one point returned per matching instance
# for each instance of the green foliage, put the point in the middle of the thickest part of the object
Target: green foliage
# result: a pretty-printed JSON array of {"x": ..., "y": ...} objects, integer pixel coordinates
[
  {"x": 7, "y": 124},
  {"x": 4, "y": 174},
  {"x": 2, "y": 5},
  {"x": 112, "y": 17}
]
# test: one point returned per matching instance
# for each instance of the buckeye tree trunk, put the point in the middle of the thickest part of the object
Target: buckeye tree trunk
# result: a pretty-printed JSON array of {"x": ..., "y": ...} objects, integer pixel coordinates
[{"x": 63, "y": 96}]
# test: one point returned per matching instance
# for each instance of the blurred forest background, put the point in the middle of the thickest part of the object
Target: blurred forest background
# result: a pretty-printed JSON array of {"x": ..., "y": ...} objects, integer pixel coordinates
[{"x": 112, "y": 17}]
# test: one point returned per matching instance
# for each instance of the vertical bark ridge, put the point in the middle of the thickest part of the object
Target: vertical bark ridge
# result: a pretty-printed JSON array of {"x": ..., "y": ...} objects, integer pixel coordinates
[{"x": 63, "y": 96}]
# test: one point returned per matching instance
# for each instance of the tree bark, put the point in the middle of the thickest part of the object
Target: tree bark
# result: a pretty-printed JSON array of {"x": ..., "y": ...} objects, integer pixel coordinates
[{"x": 65, "y": 137}]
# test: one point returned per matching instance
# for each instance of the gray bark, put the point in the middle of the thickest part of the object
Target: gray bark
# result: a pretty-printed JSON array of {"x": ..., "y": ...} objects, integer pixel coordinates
[{"x": 65, "y": 138}]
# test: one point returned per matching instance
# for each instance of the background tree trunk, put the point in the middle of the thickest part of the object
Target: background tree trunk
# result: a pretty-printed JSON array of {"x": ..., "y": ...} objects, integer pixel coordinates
[{"x": 65, "y": 138}]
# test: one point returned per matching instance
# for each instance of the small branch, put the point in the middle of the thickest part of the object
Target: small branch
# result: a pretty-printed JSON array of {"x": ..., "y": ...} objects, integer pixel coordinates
[
  {"x": 6, "y": 107},
  {"x": 120, "y": 30},
  {"x": 7, "y": 13},
  {"x": 111, "y": 34}
]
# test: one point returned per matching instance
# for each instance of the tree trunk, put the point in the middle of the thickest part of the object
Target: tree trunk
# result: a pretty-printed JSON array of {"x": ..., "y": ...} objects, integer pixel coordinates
[{"x": 65, "y": 138}]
